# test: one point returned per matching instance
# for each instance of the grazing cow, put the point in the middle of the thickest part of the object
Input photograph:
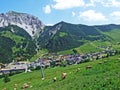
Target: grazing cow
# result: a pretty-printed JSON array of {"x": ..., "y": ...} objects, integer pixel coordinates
[
  {"x": 15, "y": 86},
  {"x": 100, "y": 63},
  {"x": 118, "y": 58},
  {"x": 78, "y": 69},
  {"x": 105, "y": 61},
  {"x": 4, "y": 89},
  {"x": 25, "y": 86},
  {"x": 64, "y": 75},
  {"x": 88, "y": 67},
  {"x": 54, "y": 79},
  {"x": 31, "y": 86}
]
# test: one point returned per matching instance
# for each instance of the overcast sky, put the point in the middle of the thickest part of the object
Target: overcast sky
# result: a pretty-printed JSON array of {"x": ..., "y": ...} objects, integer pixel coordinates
[{"x": 89, "y": 12}]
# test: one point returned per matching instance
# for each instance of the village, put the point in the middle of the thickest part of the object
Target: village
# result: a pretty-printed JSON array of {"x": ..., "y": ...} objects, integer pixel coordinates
[{"x": 52, "y": 61}]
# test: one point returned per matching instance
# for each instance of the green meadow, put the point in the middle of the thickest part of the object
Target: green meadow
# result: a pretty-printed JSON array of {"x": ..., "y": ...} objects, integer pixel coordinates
[
  {"x": 104, "y": 75},
  {"x": 89, "y": 47}
]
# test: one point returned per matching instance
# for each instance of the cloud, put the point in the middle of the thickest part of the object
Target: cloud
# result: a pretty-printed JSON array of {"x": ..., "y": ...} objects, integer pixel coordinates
[
  {"x": 96, "y": 2},
  {"x": 115, "y": 15},
  {"x": 115, "y": 3},
  {"x": 110, "y": 3},
  {"x": 73, "y": 14},
  {"x": 91, "y": 3},
  {"x": 105, "y": 3},
  {"x": 92, "y": 16},
  {"x": 47, "y": 9},
  {"x": 66, "y": 4}
]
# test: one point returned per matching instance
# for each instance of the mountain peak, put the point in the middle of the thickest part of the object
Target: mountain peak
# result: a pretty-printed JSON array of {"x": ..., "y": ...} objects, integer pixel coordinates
[
  {"x": 63, "y": 22},
  {"x": 17, "y": 13},
  {"x": 13, "y": 12},
  {"x": 26, "y": 21}
]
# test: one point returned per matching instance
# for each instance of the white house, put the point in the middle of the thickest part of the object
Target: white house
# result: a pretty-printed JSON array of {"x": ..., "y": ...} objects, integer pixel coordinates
[{"x": 22, "y": 65}]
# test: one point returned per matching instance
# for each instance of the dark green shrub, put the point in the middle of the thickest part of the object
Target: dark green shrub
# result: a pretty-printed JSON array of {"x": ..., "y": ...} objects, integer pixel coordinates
[
  {"x": 38, "y": 68},
  {"x": 6, "y": 78}
]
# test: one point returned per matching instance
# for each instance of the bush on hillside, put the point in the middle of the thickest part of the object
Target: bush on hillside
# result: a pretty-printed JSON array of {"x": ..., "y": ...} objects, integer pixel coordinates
[{"x": 6, "y": 78}]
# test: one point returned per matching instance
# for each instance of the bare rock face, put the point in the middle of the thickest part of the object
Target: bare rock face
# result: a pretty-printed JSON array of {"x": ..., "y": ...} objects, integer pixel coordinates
[
  {"x": 28, "y": 22},
  {"x": 54, "y": 30}
]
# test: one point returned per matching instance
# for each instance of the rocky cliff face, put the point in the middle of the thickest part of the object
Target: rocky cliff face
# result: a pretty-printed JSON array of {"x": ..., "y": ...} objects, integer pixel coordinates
[{"x": 28, "y": 22}]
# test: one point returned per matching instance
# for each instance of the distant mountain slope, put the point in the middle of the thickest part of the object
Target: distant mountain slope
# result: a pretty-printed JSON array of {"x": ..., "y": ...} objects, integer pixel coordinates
[
  {"x": 15, "y": 44},
  {"x": 63, "y": 36},
  {"x": 106, "y": 28}
]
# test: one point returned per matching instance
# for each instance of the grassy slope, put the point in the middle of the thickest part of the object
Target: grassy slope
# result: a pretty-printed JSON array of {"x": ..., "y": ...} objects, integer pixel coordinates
[
  {"x": 39, "y": 54},
  {"x": 16, "y": 38},
  {"x": 105, "y": 76},
  {"x": 87, "y": 47},
  {"x": 114, "y": 34}
]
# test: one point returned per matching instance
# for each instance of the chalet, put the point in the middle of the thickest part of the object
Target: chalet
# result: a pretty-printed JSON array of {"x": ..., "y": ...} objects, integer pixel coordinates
[
  {"x": 34, "y": 64},
  {"x": 40, "y": 62},
  {"x": 46, "y": 63},
  {"x": 79, "y": 59},
  {"x": 58, "y": 62},
  {"x": 4, "y": 71},
  {"x": 70, "y": 61},
  {"x": 22, "y": 65}
]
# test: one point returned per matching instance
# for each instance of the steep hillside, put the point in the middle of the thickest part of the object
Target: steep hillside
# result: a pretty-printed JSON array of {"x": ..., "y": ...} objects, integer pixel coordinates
[
  {"x": 114, "y": 34},
  {"x": 15, "y": 43},
  {"x": 65, "y": 36},
  {"x": 104, "y": 76}
]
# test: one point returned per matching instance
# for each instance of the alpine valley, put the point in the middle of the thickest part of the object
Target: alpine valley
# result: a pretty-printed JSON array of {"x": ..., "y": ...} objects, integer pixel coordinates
[{"x": 22, "y": 36}]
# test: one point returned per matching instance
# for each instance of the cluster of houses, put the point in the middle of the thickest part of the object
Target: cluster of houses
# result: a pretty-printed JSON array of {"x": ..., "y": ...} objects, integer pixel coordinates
[
  {"x": 14, "y": 67},
  {"x": 49, "y": 62}
]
